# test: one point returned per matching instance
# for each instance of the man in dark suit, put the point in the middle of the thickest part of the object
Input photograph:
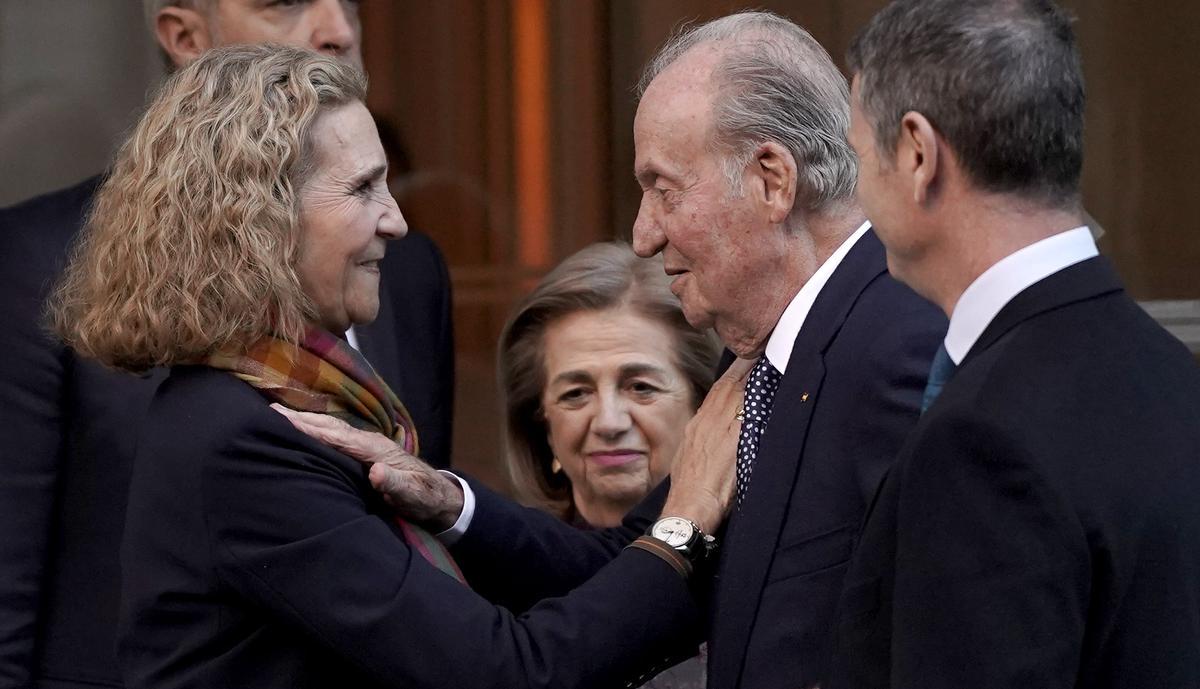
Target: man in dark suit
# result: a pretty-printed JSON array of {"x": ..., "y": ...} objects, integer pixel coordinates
[
  {"x": 1040, "y": 528},
  {"x": 748, "y": 185},
  {"x": 71, "y": 425}
]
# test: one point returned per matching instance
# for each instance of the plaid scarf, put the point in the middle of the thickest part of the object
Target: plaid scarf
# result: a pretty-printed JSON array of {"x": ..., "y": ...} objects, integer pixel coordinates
[{"x": 326, "y": 375}]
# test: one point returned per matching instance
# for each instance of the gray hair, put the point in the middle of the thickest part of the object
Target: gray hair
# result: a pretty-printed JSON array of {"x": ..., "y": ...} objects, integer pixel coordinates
[
  {"x": 1000, "y": 80},
  {"x": 774, "y": 83}
]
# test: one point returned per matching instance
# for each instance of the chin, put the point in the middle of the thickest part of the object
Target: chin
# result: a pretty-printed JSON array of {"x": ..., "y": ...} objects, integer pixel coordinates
[
  {"x": 364, "y": 315},
  {"x": 700, "y": 319},
  {"x": 622, "y": 488}
]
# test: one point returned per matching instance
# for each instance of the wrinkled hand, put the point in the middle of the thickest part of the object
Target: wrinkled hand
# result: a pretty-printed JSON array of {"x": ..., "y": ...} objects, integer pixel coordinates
[
  {"x": 703, "y": 475},
  {"x": 417, "y": 491}
]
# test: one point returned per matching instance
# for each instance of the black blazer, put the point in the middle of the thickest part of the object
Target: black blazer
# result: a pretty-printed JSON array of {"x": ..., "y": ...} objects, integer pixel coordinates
[
  {"x": 1041, "y": 527},
  {"x": 254, "y": 556},
  {"x": 70, "y": 427},
  {"x": 850, "y": 395}
]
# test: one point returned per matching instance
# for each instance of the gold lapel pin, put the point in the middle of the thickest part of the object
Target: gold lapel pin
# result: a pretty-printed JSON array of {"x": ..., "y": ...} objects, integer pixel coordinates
[{"x": 804, "y": 397}]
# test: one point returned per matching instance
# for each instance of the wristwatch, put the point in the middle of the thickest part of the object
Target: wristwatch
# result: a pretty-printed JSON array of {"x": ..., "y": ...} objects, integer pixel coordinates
[{"x": 685, "y": 538}]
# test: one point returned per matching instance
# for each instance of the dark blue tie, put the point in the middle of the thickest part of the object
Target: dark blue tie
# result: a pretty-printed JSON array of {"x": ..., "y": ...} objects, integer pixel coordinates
[
  {"x": 760, "y": 394},
  {"x": 939, "y": 373}
]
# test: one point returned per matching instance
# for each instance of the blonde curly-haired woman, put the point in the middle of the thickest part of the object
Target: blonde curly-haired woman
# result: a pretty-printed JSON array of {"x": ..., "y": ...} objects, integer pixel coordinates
[{"x": 240, "y": 229}]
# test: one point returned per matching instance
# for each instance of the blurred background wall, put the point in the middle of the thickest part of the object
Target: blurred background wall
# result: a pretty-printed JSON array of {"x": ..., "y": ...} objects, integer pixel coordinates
[{"x": 516, "y": 120}]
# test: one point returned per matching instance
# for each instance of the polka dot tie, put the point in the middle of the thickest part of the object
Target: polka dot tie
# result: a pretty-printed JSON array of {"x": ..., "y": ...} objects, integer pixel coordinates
[{"x": 760, "y": 393}]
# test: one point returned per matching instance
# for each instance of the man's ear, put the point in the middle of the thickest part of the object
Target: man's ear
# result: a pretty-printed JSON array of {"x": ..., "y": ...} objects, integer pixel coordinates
[
  {"x": 775, "y": 175},
  {"x": 917, "y": 155},
  {"x": 183, "y": 34}
]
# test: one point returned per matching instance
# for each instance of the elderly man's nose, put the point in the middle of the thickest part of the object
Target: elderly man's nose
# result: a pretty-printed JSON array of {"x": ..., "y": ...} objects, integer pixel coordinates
[{"x": 648, "y": 238}]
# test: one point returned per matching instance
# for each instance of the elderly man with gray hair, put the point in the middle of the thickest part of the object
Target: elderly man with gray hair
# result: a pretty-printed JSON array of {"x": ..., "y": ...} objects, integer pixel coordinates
[
  {"x": 70, "y": 425},
  {"x": 748, "y": 193}
]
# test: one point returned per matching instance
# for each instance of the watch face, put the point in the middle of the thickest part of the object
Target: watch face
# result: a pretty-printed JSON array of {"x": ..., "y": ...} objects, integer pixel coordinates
[{"x": 674, "y": 531}]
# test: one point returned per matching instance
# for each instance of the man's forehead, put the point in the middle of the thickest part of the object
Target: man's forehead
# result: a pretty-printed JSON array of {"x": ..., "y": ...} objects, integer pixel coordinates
[
  {"x": 690, "y": 73},
  {"x": 682, "y": 93},
  {"x": 673, "y": 119}
]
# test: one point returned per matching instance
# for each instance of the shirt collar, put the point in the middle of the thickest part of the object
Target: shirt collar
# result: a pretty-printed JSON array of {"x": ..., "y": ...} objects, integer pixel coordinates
[
  {"x": 997, "y": 286},
  {"x": 783, "y": 337}
]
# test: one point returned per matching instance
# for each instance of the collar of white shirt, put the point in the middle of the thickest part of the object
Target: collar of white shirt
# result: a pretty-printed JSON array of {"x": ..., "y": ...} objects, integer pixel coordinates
[
  {"x": 352, "y": 338},
  {"x": 783, "y": 337},
  {"x": 997, "y": 286}
]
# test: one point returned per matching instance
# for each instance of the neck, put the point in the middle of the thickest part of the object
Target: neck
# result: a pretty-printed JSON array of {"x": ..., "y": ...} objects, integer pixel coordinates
[
  {"x": 987, "y": 231},
  {"x": 828, "y": 230},
  {"x": 602, "y": 514},
  {"x": 803, "y": 248}
]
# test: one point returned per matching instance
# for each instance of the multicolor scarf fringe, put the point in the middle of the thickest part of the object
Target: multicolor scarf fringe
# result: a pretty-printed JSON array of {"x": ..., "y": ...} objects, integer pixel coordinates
[{"x": 324, "y": 374}]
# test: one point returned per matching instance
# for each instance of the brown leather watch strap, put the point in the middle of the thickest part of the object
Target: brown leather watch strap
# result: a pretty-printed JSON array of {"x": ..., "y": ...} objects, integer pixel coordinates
[{"x": 673, "y": 557}]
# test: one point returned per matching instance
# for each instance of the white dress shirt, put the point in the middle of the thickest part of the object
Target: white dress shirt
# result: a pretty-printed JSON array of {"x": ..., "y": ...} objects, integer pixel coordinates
[
  {"x": 1010, "y": 276},
  {"x": 779, "y": 350}
]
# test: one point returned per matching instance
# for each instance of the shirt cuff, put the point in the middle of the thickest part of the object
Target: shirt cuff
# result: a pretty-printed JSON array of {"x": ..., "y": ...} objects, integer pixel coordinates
[{"x": 450, "y": 536}]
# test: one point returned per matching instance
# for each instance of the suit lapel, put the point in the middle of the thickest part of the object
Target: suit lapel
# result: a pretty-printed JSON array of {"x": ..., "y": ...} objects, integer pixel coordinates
[{"x": 753, "y": 531}]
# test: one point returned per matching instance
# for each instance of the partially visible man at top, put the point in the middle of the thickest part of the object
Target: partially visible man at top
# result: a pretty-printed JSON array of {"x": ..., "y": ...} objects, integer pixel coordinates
[
  {"x": 748, "y": 192},
  {"x": 187, "y": 28},
  {"x": 1041, "y": 527},
  {"x": 70, "y": 426}
]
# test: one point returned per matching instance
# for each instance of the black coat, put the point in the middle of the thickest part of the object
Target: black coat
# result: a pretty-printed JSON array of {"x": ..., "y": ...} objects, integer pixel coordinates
[
  {"x": 1041, "y": 527},
  {"x": 70, "y": 427},
  {"x": 254, "y": 556},
  {"x": 850, "y": 396}
]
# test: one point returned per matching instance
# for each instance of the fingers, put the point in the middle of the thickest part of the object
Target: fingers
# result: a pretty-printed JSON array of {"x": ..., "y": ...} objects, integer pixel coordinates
[
  {"x": 722, "y": 402},
  {"x": 413, "y": 488},
  {"x": 306, "y": 418},
  {"x": 386, "y": 480},
  {"x": 424, "y": 497},
  {"x": 738, "y": 371},
  {"x": 364, "y": 446}
]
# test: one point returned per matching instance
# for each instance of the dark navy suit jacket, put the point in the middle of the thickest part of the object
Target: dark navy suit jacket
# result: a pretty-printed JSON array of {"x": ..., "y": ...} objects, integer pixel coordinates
[
  {"x": 1041, "y": 527},
  {"x": 70, "y": 427},
  {"x": 850, "y": 395},
  {"x": 254, "y": 556}
]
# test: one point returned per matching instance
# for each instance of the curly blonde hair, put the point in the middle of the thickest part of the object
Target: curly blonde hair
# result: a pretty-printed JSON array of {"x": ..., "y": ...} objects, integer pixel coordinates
[{"x": 192, "y": 244}]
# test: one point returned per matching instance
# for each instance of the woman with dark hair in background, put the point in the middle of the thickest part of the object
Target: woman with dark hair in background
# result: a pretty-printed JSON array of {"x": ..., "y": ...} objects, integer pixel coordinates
[{"x": 599, "y": 372}]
